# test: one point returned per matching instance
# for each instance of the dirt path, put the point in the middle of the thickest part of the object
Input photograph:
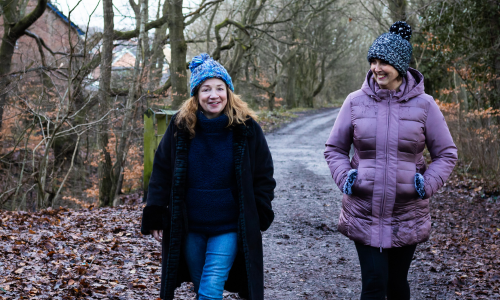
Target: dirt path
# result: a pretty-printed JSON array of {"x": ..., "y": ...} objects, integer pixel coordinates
[{"x": 305, "y": 257}]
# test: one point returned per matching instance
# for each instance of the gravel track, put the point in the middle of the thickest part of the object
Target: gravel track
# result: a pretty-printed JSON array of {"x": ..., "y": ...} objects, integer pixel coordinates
[{"x": 305, "y": 257}]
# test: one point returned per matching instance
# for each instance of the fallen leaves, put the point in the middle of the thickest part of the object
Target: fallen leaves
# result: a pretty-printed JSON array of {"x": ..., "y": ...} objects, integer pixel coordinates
[
  {"x": 80, "y": 254},
  {"x": 463, "y": 254},
  {"x": 66, "y": 254}
]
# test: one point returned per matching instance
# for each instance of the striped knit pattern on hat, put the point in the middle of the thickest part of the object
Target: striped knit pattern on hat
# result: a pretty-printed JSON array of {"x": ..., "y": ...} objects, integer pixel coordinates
[
  {"x": 204, "y": 67},
  {"x": 394, "y": 47}
]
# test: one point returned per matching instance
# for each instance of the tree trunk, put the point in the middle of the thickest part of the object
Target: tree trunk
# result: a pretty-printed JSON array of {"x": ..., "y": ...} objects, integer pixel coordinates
[
  {"x": 243, "y": 39},
  {"x": 105, "y": 166},
  {"x": 15, "y": 24},
  {"x": 157, "y": 56},
  {"x": 290, "y": 84},
  {"x": 178, "y": 48},
  {"x": 272, "y": 97},
  {"x": 123, "y": 138},
  {"x": 494, "y": 15},
  {"x": 6, "y": 52},
  {"x": 398, "y": 10}
]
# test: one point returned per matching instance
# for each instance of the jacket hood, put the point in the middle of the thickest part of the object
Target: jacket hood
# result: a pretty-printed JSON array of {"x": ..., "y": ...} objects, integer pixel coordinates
[{"x": 412, "y": 86}]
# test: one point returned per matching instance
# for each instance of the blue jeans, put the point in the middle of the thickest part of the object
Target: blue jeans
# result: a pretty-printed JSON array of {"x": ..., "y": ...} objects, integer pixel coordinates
[{"x": 209, "y": 259}]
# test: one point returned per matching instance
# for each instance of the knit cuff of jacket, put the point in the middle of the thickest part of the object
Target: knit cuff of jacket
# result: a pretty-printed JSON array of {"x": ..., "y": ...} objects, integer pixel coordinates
[
  {"x": 420, "y": 185},
  {"x": 351, "y": 178},
  {"x": 154, "y": 217}
]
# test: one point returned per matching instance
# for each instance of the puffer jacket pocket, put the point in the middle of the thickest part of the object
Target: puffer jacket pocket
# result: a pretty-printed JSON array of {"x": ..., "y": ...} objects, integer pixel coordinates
[
  {"x": 405, "y": 187},
  {"x": 403, "y": 229},
  {"x": 363, "y": 188}
]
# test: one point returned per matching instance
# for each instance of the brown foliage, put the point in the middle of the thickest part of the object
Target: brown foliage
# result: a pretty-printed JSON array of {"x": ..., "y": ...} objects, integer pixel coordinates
[
  {"x": 71, "y": 254},
  {"x": 476, "y": 134},
  {"x": 461, "y": 259}
]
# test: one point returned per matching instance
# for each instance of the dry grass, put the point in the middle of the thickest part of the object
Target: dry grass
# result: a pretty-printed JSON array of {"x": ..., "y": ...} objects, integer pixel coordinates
[{"x": 477, "y": 136}]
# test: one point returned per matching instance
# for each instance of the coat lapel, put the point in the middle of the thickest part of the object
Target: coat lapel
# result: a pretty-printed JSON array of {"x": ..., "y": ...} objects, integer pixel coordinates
[
  {"x": 177, "y": 206},
  {"x": 239, "y": 145}
]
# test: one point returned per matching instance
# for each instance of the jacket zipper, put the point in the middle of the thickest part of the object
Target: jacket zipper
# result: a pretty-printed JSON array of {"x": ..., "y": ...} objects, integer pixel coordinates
[{"x": 382, "y": 208}]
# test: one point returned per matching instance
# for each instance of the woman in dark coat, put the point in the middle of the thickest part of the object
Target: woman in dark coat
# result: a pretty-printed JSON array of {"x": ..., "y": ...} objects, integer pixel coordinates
[{"x": 210, "y": 191}]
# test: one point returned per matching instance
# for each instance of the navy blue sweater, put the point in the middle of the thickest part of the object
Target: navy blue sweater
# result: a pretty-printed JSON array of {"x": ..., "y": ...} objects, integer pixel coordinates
[{"x": 210, "y": 203}]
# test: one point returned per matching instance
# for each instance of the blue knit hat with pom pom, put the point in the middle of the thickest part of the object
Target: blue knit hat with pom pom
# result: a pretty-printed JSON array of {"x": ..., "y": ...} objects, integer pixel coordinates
[
  {"x": 394, "y": 47},
  {"x": 204, "y": 67}
]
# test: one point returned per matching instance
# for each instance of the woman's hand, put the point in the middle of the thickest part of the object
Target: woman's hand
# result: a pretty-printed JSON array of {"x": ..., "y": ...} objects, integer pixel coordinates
[
  {"x": 157, "y": 234},
  {"x": 351, "y": 179}
]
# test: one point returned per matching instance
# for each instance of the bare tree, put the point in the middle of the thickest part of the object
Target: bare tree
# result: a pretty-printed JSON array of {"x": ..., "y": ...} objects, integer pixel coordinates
[
  {"x": 178, "y": 48},
  {"x": 126, "y": 126},
  {"x": 15, "y": 24},
  {"x": 106, "y": 194}
]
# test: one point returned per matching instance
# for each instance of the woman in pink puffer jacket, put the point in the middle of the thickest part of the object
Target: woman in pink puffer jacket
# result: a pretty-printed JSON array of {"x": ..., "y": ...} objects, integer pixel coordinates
[{"x": 386, "y": 185}]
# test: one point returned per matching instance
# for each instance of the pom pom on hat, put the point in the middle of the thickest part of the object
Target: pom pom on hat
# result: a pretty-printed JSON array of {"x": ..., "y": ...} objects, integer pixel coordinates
[
  {"x": 198, "y": 60},
  {"x": 402, "y": 29},
  {"x": 204, "y": 67}
]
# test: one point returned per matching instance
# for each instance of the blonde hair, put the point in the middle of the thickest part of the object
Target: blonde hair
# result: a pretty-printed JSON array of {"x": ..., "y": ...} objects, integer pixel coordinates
[{"x": 236, "y": 110}]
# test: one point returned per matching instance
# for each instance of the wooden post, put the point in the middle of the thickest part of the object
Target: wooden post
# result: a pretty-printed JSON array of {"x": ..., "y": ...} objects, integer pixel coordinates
[
  {"x": 161, "y": 126},
  {"x": 149, "y": 149},
  {"x": 152, "y": 139}
]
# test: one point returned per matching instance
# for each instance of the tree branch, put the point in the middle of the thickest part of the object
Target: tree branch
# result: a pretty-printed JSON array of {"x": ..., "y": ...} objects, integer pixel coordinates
[
  {"x": 39, "y": 44},
  {"x": 42, "y": 43},
  {"x": 210, "y": 26},
  {"x": 20, "y": 27},
  {"x": 218, "y": 27},
  {"x": 135, "y": 7},
  {"x": 127, "y": 35},
  {"x": 322, "y": 82},
  {"x": 197, "y": 13},
  {"x": 269, "y": 23},
  {"x": 164, "y": 88}
]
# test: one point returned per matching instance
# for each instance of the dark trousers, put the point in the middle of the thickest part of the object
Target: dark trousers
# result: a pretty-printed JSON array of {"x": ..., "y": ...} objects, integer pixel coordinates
[{"x": 385, "y": 273}]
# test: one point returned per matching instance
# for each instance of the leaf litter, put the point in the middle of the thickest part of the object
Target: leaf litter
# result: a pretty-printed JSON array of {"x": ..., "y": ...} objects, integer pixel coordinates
[
  {"x": 462, "y": 258},
  {"x": 99, "y": 253},
  {"x": 92, "y": 253}
]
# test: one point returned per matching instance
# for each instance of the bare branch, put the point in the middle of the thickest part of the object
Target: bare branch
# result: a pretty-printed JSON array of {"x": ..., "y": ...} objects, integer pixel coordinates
[
  {"x": 218, "y": 27},
  {"x": 127, "y": 35},
  {"x": 40, "y": 41},
  {"x": 135, "y": 7},
  {"x": 197, "y": 13},
  {"x": 39, "y": 44},
  {"x": 210, "y": 26},
  {"x": 69, "y": 170},
  {"x": 20, "y": 27},
  {"x": 164, "y": 88}
]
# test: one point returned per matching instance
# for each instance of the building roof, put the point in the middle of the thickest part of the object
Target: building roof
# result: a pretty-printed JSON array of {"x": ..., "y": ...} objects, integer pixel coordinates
[
  {"x": 64, "y": 18},
  {"x": 123, "y": 59}
]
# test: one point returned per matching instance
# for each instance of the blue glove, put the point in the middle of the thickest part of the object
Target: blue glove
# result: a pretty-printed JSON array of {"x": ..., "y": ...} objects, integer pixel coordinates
[
  {"x": 420, "y": 185},
  {"x": 351, "y": 178}
]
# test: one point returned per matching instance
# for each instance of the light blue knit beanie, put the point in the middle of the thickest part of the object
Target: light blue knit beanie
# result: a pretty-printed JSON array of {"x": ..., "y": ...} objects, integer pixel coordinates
[{"x": 203, "y": 67}]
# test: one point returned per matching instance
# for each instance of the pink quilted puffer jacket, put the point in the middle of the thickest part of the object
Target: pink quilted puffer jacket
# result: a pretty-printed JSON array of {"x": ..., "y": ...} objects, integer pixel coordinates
[{"x": 389, "y": 130}]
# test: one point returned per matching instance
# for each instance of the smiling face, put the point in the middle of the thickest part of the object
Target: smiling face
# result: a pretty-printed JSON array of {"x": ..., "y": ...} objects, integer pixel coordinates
[
  {"x": 212, "y": 96},
  {"x": 385, "y": 75}
]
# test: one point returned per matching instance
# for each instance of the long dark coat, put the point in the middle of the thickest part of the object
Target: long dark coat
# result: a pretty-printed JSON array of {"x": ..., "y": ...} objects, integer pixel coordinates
[{"x": 165, "y": 209}]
